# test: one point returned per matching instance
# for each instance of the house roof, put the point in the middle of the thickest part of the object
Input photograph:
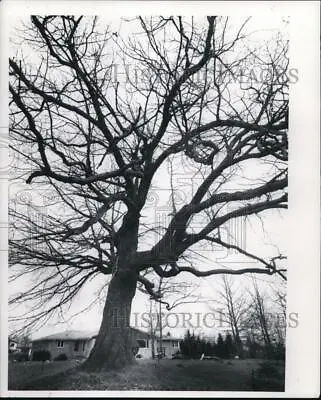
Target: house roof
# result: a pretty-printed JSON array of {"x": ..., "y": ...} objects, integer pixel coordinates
[
  {"x": 69, "y": 335},
  {"x": 142, "y": 334},
  {"x": 168, "y": 338},
  {"x": 82, "y": 335},
  {"x": 147, "y": 335}
]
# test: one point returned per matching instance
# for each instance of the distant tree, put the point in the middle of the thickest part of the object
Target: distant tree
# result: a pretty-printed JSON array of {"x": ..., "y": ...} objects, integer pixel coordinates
[
  {"x": 219, "y": 346},
  {"x": 236, "y": 306},
  {"x": 279, "y": 351},
  {"x": 185, "y": 345},
  {"x": 193, "y": 346},
  {"x": 279, "y": 299},
  {"x": 199, "y": 347},
  {"x": 229, "y": 345},
  {"x": 209, "y": 349},
  {"x": 239, "y": 350},
  {"x": 254, "y": 349},
  {"x": 261, "y": 320}
]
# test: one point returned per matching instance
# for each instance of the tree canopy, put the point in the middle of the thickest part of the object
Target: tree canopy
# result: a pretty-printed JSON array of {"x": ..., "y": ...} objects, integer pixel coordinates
[{"x": 96, "y": 117}]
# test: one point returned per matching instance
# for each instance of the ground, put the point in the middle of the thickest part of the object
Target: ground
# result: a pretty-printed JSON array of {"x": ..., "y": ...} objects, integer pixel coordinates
[{"x": 234, "y": 375}]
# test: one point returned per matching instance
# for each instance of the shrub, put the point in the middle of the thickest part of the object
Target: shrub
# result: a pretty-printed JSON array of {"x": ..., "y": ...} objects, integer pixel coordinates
[
  {"x": 41, "y": 355},
  {"x": 61, "y": 357},
  {"x": 279, "y": 352},
  {"x": 20, "y": 357}
]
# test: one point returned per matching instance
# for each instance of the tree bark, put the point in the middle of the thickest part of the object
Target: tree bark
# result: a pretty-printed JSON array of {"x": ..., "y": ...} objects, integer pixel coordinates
[{"x": 115, "y": 342}]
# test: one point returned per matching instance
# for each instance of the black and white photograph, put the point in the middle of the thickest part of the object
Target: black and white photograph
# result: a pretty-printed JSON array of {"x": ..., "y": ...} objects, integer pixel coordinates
[{"x": 151, "y": 170}]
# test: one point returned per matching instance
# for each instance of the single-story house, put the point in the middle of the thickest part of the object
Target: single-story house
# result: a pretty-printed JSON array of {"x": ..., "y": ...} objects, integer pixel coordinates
[
  {"x": 78, "y": 344},
  {"x": 167, "y": 346},
  {"x": 72, "y": 343}
]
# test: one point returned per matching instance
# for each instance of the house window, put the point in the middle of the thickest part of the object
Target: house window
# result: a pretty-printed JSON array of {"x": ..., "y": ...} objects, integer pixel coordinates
[
  {"x": 76, "y": 348},
  {"x": 142, "y": 343},
  {"x": 60, "y": 343},
  {"x": 175, "y": 344},
  {"x": 83, "y": 345}
]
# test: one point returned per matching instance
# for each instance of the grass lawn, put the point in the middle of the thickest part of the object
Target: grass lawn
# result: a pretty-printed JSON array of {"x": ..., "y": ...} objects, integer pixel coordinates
[
  {"x": 234, "y": 375},
  {"x": 22, "y": 373}
]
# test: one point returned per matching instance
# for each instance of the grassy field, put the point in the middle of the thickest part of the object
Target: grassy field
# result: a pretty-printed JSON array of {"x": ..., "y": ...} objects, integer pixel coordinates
[
  {"x": 21, "y": 374},
  {"x": 234, "y": 375}
]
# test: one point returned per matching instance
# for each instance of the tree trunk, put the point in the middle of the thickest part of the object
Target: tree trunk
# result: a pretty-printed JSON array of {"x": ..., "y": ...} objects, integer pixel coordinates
[
  {"x": 152, "y": 330},
  {"x": 115, "y": 342}
]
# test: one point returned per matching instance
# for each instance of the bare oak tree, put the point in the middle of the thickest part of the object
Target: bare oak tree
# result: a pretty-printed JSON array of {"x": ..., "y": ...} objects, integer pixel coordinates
[
  {"x": 260, "y": 319},
  {"x": 236, "y": 307},
  {"x": 100, "y": 145}
]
